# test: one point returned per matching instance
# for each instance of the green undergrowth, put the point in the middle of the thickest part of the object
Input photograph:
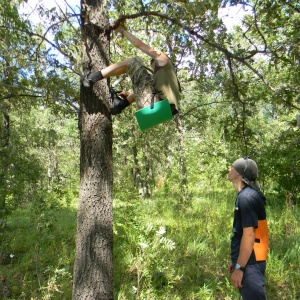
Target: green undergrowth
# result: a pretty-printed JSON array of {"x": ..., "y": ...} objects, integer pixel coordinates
[
  {"x": 37, "y": 254},
  {"x": 163, "y": 249},
  {"x": 167, "y": 250}
]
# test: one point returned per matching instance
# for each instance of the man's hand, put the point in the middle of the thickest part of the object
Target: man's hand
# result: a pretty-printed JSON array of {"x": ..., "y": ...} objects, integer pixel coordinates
[
  {"x": 118, "y": 28},
  {"x": 236, "y": 278},
  {"x": 124, "y": 94},
  {"x": 230, "y": 267}
]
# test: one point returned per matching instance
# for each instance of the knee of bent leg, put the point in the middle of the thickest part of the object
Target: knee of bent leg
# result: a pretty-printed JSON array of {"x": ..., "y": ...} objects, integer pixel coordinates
[{"x": 134, "y": 63}]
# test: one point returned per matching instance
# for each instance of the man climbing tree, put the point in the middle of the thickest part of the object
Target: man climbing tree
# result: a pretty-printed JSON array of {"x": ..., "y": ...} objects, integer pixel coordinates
[{"x": 164, "y": 83}]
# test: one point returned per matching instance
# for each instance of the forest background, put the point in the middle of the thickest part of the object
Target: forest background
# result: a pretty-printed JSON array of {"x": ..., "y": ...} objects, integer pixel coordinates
[{"x": 172, "y": 205}]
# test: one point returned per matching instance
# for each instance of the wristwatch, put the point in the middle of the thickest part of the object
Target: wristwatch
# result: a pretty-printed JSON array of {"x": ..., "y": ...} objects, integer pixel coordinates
[{"x": 238, "y": 267}]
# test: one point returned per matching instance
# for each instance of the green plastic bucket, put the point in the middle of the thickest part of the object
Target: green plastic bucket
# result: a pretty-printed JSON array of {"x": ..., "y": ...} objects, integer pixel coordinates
[{"x": 148, "y": 117}]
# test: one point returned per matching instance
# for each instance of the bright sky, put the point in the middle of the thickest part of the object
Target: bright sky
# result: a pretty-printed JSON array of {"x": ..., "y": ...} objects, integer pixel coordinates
[
  {"x": 49, "y": 3},
  {"x": 30, "y": 7},
  {"x": 230, "y": 15}
]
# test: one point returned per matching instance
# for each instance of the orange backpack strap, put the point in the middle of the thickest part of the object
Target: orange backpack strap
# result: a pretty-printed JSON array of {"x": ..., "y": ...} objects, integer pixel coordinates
[{"x": 261, "y": 241}]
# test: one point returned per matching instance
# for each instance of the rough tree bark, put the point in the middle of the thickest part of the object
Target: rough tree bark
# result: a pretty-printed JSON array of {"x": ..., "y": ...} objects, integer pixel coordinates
[
  {"x": 182, "y": 163},
  {"x": 136, "y": 171},
  {"x": 93, "y": 262},
  {"x": 4, "y": 148},
  {"x": 147, "y": 163}
]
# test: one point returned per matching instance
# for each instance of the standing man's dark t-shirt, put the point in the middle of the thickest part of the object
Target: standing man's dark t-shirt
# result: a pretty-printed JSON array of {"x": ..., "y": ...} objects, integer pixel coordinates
[{"x": 249, "y": 211}]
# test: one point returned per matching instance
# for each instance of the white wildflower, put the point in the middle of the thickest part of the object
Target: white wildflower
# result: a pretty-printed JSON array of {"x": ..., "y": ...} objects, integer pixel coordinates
[{"x": 161, "y": 231}]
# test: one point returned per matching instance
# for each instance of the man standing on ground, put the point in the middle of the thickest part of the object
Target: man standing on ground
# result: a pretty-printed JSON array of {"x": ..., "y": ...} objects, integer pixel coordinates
[{"x": 249, "y": 244}]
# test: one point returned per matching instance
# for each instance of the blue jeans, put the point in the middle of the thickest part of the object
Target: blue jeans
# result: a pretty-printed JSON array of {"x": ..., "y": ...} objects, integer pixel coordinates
[{"x": 254, "y": 282}]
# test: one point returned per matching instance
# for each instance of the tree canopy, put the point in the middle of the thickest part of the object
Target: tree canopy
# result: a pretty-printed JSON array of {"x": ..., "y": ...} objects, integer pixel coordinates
[{"x": 238, "y": 84}]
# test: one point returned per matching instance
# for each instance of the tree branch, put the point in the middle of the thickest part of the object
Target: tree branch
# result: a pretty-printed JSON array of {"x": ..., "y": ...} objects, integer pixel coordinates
[
  {"x": 43, "y": 37},
  {"x": 191, "y": 31},
  {"x": 236, "y": 88},
  {"x": 19, "y": 95},
  {"x": 16, "y": 86},
  {"x": 202, "y": 104}
]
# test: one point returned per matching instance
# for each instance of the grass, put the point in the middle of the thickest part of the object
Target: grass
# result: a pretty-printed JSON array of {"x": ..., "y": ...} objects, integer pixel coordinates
[
  {"x": 162, "y": 250},
  {"x": 37, "y": 254}
]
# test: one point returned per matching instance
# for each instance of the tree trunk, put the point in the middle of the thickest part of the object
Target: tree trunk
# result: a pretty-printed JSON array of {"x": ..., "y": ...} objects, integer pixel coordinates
[
  {"x": 182, "y": 162},
  {"x": 136, "y": 172},
  {"x": 147, "y": 166},
  {"x": 4, "y": 160},
  {"x": 93, "y": 261}
]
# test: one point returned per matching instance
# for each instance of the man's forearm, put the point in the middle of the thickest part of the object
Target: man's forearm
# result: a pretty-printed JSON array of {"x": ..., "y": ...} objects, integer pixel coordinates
[
  {"x": 131, "y": 38},
  {"x": 246, "y": 247}
]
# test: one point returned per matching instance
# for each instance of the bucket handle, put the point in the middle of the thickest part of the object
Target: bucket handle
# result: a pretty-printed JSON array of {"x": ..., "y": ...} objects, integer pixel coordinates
[{"x": 152, "y": 101}]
